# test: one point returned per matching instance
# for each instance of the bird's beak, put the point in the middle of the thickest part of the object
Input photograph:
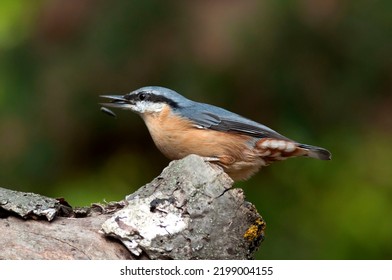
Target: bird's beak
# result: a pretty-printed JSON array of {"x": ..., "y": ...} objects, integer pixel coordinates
[{"x": 115, "y": 101}]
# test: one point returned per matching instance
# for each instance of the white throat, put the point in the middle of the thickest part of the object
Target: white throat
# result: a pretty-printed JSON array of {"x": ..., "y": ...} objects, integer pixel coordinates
[{"x": 142, "y": 107}]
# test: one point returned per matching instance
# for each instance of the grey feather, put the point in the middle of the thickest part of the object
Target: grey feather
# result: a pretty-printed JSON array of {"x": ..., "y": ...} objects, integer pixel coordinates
[{"x": 212, "y": 117}]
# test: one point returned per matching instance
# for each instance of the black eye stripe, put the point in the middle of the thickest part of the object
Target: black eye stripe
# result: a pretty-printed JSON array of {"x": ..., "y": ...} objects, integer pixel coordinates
[
  {"x": 129, "y": 97},
  {"x": 151, "y": 97},
  {"x": 142, "y": 96},
  {"x": 159, "y": 98},
  {"x": 138, "y": 96}
]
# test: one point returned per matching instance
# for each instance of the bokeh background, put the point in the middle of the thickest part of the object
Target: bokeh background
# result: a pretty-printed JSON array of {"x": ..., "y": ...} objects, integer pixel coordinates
[{"x": 319, "y": 72}]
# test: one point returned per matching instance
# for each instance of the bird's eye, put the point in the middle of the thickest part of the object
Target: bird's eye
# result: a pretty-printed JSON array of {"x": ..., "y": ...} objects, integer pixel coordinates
[{"x": 142, "y": 96}]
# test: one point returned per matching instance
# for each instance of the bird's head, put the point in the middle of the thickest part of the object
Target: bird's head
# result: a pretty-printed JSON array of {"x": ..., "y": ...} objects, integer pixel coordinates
[{"x": 146, "y": 100}]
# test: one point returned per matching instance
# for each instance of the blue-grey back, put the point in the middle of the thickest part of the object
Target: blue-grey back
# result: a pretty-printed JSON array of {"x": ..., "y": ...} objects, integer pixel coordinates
[{"x": 216, "y": 118}]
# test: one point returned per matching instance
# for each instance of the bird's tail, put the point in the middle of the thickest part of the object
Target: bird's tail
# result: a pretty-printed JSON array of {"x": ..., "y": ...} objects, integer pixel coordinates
[{"x": 315, "y": 152}]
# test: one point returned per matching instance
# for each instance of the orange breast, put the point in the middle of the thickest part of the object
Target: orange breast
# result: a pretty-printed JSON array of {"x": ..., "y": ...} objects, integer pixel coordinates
[{"x": 176, "y": 138}]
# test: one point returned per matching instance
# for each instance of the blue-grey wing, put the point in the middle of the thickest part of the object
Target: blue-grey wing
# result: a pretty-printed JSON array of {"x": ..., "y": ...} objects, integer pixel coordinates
[{"x": 212, "y": 117}]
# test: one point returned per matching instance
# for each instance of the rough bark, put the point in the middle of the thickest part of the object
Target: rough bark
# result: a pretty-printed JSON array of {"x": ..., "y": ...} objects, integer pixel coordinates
[{"x": 190, "y": 211}]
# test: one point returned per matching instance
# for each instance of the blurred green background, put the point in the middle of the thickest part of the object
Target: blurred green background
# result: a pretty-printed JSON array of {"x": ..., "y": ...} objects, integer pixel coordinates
[{"x": 319, "y": 72}]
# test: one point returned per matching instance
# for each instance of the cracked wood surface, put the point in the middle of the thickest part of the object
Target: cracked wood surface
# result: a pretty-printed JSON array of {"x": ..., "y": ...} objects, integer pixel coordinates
[
  {"x": 64, "y": 238},
  {"x": 190, "y": 211}
]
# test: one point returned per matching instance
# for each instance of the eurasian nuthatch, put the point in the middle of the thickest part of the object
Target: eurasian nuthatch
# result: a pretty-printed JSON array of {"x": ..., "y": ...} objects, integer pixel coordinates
[{"x": 180, "y": 127}]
